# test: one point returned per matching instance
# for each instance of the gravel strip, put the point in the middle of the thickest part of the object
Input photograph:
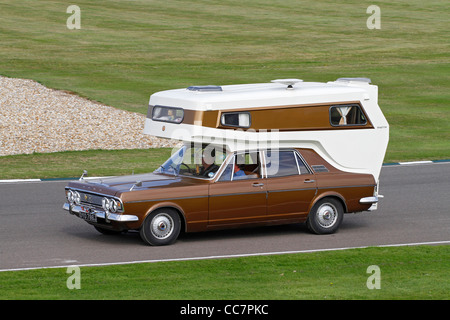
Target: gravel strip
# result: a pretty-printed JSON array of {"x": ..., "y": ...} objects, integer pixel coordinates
[{"x": 34, "y": 118}]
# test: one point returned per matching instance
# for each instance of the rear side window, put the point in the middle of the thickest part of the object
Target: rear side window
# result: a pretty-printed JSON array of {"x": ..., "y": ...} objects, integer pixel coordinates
[
  {"x": 301, "y": 165},
  {"x": 167, "y": 114},
  {"x": 281, "y": 163},
  {"x": 347, "y": 115}
]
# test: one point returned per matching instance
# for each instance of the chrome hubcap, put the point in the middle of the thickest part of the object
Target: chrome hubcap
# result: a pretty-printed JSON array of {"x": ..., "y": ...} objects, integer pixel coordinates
[
  {"x": 326, "y": 215},
  {"x": 162, "y": 226}
]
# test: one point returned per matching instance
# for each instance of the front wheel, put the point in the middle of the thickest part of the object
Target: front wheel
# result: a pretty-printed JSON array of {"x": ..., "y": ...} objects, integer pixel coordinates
[
  {"x": 161, "y": 227},
  {"x": 325, "y": 216}
]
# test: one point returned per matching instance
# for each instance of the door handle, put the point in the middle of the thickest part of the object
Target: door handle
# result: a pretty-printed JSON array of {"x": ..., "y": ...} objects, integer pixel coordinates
[
  {"x": 258, "y": 184},
  {"x": 309, "y": 181}
]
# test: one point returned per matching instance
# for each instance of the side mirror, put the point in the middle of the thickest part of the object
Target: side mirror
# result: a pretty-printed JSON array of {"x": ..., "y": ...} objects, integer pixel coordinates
[
  {"x": 137, "y": 184},
  {"x": 85, "y": 173}
]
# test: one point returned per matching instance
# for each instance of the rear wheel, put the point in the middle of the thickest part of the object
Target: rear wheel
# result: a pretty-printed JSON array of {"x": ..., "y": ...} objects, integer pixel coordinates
[
  {"x": 161, "y": 227},
  {"x": 325, "y": 216}
]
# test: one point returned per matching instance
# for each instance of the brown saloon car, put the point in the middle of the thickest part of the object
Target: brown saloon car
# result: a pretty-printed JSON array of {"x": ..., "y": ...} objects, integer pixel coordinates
[{"x": 205, "y": 187}]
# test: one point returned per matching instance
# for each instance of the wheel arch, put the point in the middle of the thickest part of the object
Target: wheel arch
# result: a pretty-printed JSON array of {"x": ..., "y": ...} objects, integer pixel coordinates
[
  {"x": 169, "y": 205},
  {"x": 333, "y": 195}
]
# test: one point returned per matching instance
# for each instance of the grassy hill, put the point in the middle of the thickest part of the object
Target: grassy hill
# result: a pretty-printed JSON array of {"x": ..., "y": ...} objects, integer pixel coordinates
[{"x": 126, "y": 50}]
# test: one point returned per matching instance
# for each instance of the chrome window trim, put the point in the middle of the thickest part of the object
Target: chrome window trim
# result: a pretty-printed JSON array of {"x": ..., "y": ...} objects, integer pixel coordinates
[
  {"x": 295, "y": 152},
  {"x": 231, "y": 158},
  {"x": 296, "y": 161},
  {"x": 262, "y": 158},
  {"x": 221, "y": 170},
  {"x": 304, "y": 162},
  {"x": 233, "y": 163}
]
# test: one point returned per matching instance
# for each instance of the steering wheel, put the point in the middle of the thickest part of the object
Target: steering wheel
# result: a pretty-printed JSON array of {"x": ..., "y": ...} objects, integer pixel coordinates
[{"x": 188, "y": 168}]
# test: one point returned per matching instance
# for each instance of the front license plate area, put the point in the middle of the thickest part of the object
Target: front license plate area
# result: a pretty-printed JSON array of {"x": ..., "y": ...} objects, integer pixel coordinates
[{"x": 87, "y": 215}]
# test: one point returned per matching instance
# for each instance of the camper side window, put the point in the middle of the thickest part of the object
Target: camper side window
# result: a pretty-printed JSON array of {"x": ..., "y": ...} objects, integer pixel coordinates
[
  {"x": 235, "y": 119},
  {"x": 167, "y": 114},
  {"x": 347, "y": 115}
]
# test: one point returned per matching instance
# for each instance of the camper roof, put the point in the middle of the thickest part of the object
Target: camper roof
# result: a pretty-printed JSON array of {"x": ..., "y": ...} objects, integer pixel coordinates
[{"x": 278, "y": 92}]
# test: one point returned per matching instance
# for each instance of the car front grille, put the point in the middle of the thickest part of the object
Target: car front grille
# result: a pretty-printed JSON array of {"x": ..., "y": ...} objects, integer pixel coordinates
[{"x": 91, "y": 199}]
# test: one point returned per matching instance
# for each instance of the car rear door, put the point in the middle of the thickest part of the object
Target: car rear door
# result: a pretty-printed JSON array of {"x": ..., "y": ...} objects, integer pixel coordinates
[{"x": 290, "y": 185}]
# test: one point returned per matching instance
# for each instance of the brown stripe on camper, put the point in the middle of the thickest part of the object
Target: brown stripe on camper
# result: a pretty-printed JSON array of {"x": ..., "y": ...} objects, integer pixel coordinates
[{"x": 282, "y": 118}]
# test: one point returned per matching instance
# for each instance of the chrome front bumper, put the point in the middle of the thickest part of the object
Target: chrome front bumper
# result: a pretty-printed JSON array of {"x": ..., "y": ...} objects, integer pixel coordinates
[{"x": 102, "y": 214}]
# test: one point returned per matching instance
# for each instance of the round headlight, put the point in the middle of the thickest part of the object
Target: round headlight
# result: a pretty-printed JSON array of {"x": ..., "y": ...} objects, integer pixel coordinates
[
  {"x": 70, "y": 196},
  {"x": 105, "y": 204},
  {"x": 113, "y": 205},
  {"x": 76, "y": 197}
]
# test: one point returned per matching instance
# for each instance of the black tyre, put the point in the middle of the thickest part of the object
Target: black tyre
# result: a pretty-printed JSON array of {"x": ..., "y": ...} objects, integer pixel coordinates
[
  {"x": 325, "y": 216},
  {"x": 161, "y": 227}
]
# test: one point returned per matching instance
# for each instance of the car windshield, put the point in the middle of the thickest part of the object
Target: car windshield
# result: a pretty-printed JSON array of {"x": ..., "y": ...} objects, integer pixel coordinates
[{"x": 195, "y": 160}]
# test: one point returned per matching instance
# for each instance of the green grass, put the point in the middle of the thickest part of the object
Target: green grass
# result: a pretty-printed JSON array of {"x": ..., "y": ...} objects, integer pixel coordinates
[
  {"x": 71, "y": 164},
  {"x": 406, "y": 273},
  {"x": 127, "y": 50}
]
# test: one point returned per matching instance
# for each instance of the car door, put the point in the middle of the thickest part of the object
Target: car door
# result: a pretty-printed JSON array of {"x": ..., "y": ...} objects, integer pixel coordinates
[
  {"x": 238, "y": 198},
  {"x": 290, "y": 185}
]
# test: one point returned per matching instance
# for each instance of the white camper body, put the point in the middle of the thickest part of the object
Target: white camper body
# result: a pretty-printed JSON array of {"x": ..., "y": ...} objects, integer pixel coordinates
[{"x": 340, "y": 120}]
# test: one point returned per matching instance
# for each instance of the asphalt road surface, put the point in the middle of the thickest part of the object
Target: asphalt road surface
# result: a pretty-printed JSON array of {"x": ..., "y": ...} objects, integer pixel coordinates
[{"x": 36, "y": 232}]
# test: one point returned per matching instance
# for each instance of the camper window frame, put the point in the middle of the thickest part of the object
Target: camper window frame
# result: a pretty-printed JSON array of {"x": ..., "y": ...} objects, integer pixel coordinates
[
  {"x": 166, "y": 107},
  {"x": 348, "y": 124},
  {"x": 236, "y": 112}
]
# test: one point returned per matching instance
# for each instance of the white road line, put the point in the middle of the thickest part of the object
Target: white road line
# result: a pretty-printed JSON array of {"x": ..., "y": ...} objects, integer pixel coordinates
[
  {"x": 49, "y": 180},
  {"x": 227, "y": 256},
  {"x": 19, "y": 180},
  {"x": 415, "y": 162}
]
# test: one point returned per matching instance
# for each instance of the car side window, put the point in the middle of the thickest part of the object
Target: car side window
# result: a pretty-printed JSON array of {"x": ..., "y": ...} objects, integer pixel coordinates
[
  {"x": 227, "y": 173},
  {"x": 281, "y": 164},
  {"x": 244, "y": 165},
  {"x": 301, "y": 165}
]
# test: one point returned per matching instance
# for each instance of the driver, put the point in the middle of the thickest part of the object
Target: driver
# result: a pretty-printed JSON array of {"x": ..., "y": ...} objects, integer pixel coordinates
[{"x": 208, "y": 163}]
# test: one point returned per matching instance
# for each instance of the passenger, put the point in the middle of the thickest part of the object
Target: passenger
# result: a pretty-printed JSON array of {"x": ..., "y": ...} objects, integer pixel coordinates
[{"x": 238, "y": 172}]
